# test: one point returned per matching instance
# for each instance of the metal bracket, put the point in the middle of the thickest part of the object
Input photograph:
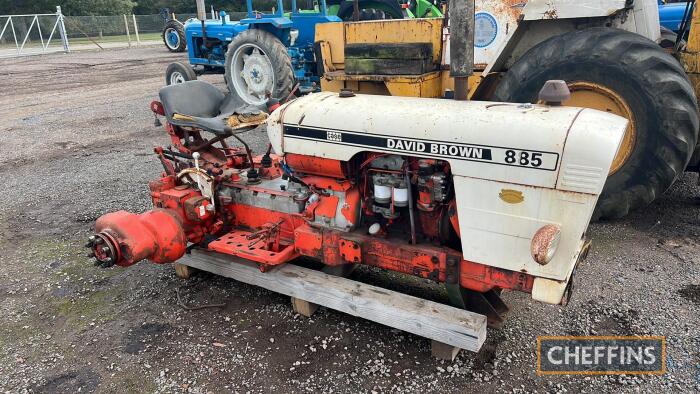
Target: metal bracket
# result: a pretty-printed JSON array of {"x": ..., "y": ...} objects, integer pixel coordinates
[
  {"x": 488, "y": 304},
  {"x": 350, "y": 251}
]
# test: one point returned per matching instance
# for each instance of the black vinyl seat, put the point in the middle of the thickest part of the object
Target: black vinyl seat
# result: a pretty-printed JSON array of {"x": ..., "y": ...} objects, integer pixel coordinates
[{"x": 201, "y": 105}]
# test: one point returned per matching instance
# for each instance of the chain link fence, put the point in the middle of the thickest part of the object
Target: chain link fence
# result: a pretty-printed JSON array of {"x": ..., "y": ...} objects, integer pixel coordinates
[
  {"x": 120, "y": 28},
  {"x": 37, "y": 33},
  {"x": 42, "y": 33}
]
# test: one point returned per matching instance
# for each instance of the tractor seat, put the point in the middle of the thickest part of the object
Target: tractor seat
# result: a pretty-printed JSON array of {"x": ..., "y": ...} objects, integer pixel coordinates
[{"x": 201, "y": 105}]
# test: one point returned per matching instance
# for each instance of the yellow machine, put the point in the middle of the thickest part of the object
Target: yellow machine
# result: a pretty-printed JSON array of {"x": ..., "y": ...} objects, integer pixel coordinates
[
  {"x": 610, "y": 60},
  {"x": 690, "y": 56}
]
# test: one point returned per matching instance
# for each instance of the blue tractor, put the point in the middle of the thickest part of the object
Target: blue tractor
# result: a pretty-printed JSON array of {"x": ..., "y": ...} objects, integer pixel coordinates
[
  {"x": 671, "y": 14},
  {"x": 261, "y": 56},
  {"x": 674, "y": 16}
]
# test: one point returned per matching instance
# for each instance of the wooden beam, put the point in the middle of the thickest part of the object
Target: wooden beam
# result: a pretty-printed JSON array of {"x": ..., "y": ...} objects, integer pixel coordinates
[
  {"x": 443, "y": 351},
  {"x": 443, "y": 323}
]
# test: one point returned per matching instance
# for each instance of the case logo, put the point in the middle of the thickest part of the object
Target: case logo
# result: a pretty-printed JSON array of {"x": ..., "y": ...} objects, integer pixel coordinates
[{"x": 334, "y": 136}]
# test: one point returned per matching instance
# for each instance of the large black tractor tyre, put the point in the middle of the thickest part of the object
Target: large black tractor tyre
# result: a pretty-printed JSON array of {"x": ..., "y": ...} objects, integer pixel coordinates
[
  {"x": 259, "y": 43},
  {"x": 633, "y": 77},
  {"x": 371, "y": 10},
  {"x": 174, "y": 36}
]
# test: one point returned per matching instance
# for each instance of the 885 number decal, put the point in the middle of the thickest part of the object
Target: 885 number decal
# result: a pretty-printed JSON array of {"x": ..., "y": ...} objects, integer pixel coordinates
[{"x": 524, "y": 158}]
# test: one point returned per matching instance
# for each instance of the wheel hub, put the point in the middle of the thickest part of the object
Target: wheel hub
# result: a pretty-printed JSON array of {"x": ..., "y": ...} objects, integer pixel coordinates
[
  {"x": 173, "y": 38},
  {"x": 176, "y": 77},
  {"x": 252, "y": 74},
  {"x": 595, "y": 96},
  {"x": 257, "y": 73}
]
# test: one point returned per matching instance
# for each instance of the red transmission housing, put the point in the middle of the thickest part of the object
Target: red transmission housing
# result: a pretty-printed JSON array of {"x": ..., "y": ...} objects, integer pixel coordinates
[
  {"x": 160, "y": 235},
  {"x": 156, "y": 235}
]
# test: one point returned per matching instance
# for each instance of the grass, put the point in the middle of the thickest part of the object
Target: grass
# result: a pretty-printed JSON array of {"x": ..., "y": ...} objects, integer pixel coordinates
[
  {"x": 109, "y": 39},
  {"x": 56, "y": 42},
  {"x": 80, "y": 311}
]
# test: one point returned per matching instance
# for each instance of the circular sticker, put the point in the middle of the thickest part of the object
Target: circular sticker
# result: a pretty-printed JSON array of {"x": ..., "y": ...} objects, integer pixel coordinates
[{"x": 485, "y": 29}]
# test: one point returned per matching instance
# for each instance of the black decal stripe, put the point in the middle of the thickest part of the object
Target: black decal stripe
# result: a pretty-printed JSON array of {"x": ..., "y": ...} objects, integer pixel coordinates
[
  {"x": 379, "y": 142},
  {"x": 303, "y": 130}
]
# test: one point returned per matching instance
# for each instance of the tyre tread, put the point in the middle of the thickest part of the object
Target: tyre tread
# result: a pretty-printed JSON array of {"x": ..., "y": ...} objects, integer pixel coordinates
[{"x": 275, "y": 50}]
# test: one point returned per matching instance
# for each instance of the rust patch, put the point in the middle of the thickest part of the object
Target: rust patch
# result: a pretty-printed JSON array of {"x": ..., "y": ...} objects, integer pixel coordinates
[
  {"x": 542, "y": 242},
  {"x": 510, "y": 9},
  {"x": 550, "y": 14}
]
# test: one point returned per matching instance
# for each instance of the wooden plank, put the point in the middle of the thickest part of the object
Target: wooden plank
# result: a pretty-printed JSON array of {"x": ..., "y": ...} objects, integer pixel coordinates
[
  {"x": 306, "y": 308},
  {"x": 443, "y": 351},
  {"x": 446, "y": 324}
]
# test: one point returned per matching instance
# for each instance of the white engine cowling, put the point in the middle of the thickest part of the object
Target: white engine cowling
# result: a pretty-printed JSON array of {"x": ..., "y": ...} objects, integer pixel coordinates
[{"x": 516, "y": 168}]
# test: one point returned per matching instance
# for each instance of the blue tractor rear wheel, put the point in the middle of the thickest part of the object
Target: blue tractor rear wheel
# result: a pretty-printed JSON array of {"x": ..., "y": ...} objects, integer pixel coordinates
[
  {"x": 174, "y": 36},
  {"x": 257, "y": 66}
]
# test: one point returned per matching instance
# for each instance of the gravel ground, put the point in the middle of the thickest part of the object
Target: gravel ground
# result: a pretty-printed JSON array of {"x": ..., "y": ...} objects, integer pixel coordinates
[{"x": 76, "y": 142}]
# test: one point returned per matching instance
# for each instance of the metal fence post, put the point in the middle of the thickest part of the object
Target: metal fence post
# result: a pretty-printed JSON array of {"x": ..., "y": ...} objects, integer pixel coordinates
[
  {"x": 62, "y": 30},
  {"x": 128, "y": 35},
  {"x": 136, "y": 30}
]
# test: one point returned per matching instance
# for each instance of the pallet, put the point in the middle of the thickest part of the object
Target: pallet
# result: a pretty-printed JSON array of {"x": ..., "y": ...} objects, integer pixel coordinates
[{"x": 445, "y": 325}]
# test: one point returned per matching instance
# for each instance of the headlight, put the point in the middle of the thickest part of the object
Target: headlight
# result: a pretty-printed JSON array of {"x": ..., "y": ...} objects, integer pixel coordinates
[{"x": 544, "y": 244}]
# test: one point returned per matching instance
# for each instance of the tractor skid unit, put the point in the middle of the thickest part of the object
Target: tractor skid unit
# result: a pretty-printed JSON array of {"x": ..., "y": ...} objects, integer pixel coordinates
[{"x": 359, "y": 179}]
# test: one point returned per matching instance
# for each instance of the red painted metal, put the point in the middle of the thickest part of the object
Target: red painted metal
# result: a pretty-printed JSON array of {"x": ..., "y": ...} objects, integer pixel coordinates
[
  {"x": 271, "y": 238},
  {"x": 183, "y": 215},
  {"x": 156, "y": 235},
  {"x": 317, "y": 166},
  {"x": 262, "y": 249}
]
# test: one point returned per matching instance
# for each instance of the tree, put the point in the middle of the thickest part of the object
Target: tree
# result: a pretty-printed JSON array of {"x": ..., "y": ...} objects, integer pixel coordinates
[
  {"x": 190, "y": 7},
  {"x": 116, "y": 7},
  {"x": 10, "y": 7},
  {"x": 98, "y": 7},
  {"x": 69, "y": 7}
]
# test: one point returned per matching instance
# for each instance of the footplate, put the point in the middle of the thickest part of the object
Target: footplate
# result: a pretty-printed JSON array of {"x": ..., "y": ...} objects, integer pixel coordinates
[{"x": 247, "y": 245}]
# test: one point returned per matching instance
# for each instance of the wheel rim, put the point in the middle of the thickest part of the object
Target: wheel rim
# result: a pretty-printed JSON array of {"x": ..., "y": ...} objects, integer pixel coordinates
[
  {"x": 177, "y": 77},
  {"x": 252, "y": 74},
  {"x": 172, "y": 39},
  {"x": 594, "y": 96}
]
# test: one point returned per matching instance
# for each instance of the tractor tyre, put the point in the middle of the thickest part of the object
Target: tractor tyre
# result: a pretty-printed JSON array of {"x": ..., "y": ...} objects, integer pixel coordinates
[
  {"x": 174, "y": 36},
  {"x": 179, "y": 73},
  {"x": 258, "y": 66},
  {"x": 667, "y": 40},
  {"x": 371, "y": 10},
  {"x": 626, "y": 74}
]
